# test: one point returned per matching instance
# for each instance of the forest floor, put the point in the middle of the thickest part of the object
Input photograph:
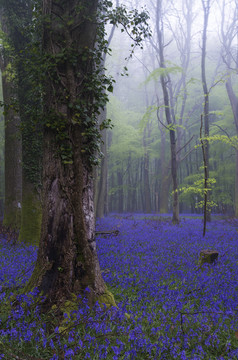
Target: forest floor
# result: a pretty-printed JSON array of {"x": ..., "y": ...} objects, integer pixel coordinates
[{"x": 177, "y": 309}]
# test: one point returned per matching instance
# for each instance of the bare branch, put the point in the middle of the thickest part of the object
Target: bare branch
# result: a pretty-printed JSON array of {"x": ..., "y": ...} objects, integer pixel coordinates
[
  {"x": 219, "y": 127},
  {"x": 185, "y": 144}
]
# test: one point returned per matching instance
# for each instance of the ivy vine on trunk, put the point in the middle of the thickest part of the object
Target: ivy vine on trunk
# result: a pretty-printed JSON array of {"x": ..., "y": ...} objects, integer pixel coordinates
[{"x": 74, "y": 92}]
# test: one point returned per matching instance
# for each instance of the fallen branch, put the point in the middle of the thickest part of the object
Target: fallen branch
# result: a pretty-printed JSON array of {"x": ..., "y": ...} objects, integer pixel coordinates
[{"x": 112, "y": 232}]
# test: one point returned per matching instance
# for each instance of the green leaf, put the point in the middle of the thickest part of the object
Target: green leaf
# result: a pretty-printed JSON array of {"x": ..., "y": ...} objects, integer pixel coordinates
[
  {"x": 162, "y": 71},
  {"x": 110, "y": 88}
]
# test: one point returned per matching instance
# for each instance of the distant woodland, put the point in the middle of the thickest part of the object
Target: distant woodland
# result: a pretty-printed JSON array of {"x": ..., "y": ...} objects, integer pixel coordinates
[
  {"x": 166, "y": 109},
  {"x": 185, "y": 74}
]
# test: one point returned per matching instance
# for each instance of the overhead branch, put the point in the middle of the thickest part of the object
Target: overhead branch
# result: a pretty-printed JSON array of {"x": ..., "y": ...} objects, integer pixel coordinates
[
  {"x": 185, "y": 144},
  {"x": 186, "y": 155},
  {"x": 219, "y": 127},
  {"x": 158, "y": 117}
]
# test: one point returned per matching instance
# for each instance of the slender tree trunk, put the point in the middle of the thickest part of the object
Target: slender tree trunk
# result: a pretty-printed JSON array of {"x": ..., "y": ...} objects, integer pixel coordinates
[
  {"x": 146, "y": 164},
  {"x": 13, "y": 167},
  {"x": 120, "y": 193},
  {"x": 112, "y": 201},
  {"x": 172, "y": 131},
  {"x": 156, "y": 185},
  {"x": 206, "y": 9},
  {"x": 228, "y": 33},
  {"x": 234, "y": 105},
  {"x": 165, "y": 177},
  {"x": 101, "y": 208},
  {"x": 147, "y": 185},
  {"x": 134, "y": 186},
  {"x": 142, "y": 198},
  {"x": 236, "y": 186},
  {"x": 164, "y": 195},
  {"x": 13, "y": 145},
  {"x": 131, "y": 198},
  {"x": 134, "y": 197},
  {"x": 101, "y": 183},
  {"x": 205, "y": 218},
  {"x": 173, "y": 151},
  {"x": 31, "y": 142},
  {"x": 101, "y": 196}
]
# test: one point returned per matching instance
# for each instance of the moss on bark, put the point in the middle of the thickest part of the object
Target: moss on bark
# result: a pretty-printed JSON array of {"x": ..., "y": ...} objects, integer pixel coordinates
[
  {"x": 107, "y": 298},
  {"x": 30, "y": 219},
  {"x": 12, "y": 219},
  {"x": 72, "y": 305},
  {"x": 36, "y": 276},
  {"x": 207, "y": 256}
]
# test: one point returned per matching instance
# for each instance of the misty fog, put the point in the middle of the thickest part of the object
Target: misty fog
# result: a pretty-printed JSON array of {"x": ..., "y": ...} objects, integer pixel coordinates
[{"x": 139, "y": 146}]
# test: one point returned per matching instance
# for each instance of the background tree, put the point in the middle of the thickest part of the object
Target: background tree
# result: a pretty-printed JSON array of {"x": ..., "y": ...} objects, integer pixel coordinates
[
  {"x": 101, "y": 172},
  {"x": 13, "y": 151},
  {"x": 182, "y": 39},
  {"x": 205, "y": 117},
  {"x": 18, "y": 18},
  {"x": 228, "y": 35}
]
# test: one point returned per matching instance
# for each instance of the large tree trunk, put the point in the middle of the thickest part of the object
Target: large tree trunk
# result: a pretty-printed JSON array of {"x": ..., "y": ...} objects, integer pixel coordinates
[{"x": 67, "y": 260}]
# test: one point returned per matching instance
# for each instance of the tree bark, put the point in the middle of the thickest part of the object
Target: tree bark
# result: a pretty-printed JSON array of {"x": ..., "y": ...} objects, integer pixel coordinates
[
  {"x": 13, "y": 146},
  {"x": 120, "y": 192},
  {"x": 234, "y": 105},
  {"x": 164, "y": 195},
  {"x": 13, "y": 166},
  {"x": 67, "y": 259},
  {"x": 165, "y": 181},
  {"x": 146, "y": 164},
  {"x": 31, "y": 213},
  {"x": 206, "y": 10},
  {"x": 236, "y": 186},
  {"x": 31, "y": 137},
  {"x": 101, "y": 201},
  {"x": 228, "y": 33},
  {"x": 169, "y": 118}
]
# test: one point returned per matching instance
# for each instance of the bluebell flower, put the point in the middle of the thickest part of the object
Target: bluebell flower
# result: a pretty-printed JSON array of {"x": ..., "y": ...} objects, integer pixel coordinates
[
  {"x": 68, "y": 354},
  {"x": 51, "y": 344},
  {"x": 54, "y": 357}
]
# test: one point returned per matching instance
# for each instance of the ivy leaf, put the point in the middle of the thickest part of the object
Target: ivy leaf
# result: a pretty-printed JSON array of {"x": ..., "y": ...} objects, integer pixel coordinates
[{"x": 110, "y": 88}]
